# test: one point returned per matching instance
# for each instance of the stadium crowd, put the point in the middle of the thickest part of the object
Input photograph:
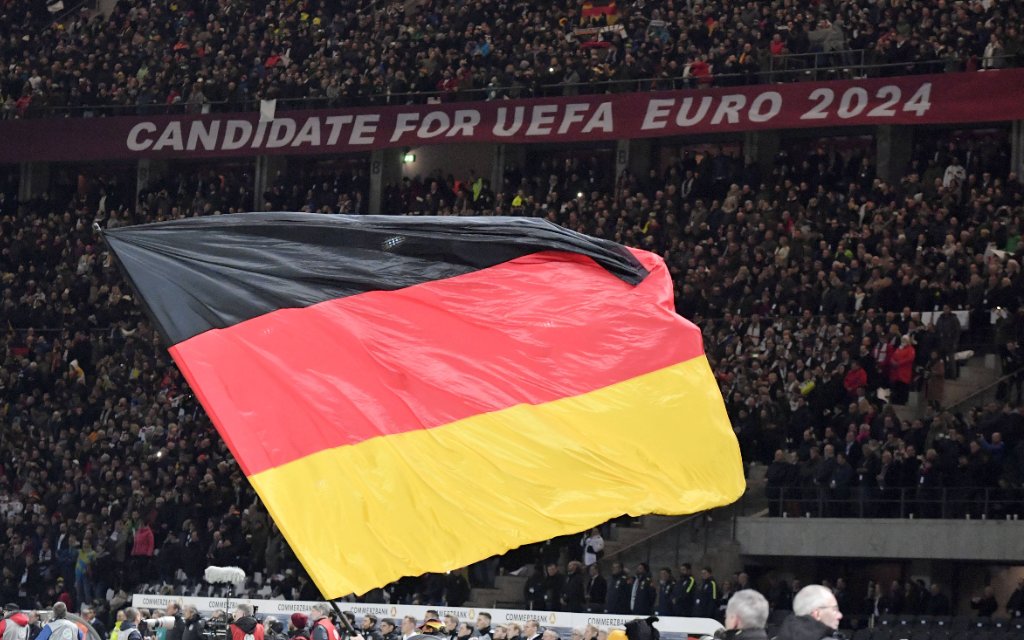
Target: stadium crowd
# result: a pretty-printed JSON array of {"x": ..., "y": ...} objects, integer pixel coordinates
[
  {"x": 196, "y": 55},
  {"x": 824, "y": 293},
  {"x": 808, "y": 283}
]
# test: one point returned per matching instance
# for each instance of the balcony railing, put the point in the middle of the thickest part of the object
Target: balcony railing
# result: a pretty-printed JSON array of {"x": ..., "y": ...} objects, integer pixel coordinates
[
  {"x": 799, "y": 67},
  {"x": 971, "y": 503}
]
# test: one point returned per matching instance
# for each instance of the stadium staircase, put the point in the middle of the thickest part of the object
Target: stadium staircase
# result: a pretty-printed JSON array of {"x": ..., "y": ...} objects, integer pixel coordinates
[
  {"x": 977, "y": 384},
  {"x": 661, "y": 541}
]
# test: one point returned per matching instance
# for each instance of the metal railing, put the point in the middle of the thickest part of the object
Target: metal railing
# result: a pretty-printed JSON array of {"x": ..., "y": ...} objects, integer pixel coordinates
[
  {"x": 695, "y": 523},
  {"x": 977, "y": 503},
  {"x": 786, "y": 68}
]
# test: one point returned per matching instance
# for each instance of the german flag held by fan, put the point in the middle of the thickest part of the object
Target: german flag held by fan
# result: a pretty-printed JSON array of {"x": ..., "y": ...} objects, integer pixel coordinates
[
  {"x": 412, "y": 395},
  {"x": 593, "y": 10}
]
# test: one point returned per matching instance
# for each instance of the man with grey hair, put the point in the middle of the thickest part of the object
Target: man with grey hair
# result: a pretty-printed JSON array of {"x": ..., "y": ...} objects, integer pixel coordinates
[
  {"x": 59, "y": 627},
  {"x": 815, "y": 616},
  {"x": 243, "y": 624},
  {"x": 746, "y": 614}
]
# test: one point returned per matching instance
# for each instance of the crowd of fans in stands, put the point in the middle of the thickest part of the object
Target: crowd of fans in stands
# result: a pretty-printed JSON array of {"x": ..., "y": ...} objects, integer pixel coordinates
[
  {"x": 805, "y": 282},
  {"x": 196, "y": 55},
  {"x": 821, "y": 289}
]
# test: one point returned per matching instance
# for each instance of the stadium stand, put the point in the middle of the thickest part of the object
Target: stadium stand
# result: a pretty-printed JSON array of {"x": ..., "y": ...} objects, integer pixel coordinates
[
  {"x": 197, "y": 55},
  {"x": 804, "y": 279}
]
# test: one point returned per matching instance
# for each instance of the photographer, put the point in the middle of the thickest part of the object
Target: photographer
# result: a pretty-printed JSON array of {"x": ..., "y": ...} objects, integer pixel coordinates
[
  {"x": 130, "y": 626},
  {"x": 194, "y": 627},
  {"x": 59, "y": 627},
  {"x": 243, "y": 625},
  {"x": 177, "y": 630},
  {"x": 273, "y": 629}
]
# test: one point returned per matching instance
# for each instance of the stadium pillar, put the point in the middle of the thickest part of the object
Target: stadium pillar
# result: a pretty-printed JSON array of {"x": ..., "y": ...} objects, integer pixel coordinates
[
  {"x": 148, "y": 173},
  {"x": 1017, "y": 149},
  {"x": 760, "y": 148},
  {"x": 632, "y": 155},
  {"x": 385, "y": 169},
  {"x": 264, "y": 175},
  {"x": 33, "y": 179},
  {"x": 894, "y": 147}
]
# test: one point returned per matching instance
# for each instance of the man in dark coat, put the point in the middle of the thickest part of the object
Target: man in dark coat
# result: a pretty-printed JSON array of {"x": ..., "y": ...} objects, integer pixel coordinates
[
  {"x": 573, "y": 595},
  {"x": 641, "y": 592},
  {"x": 618, "y": 590},
  {"x": 705, "y": 604}
]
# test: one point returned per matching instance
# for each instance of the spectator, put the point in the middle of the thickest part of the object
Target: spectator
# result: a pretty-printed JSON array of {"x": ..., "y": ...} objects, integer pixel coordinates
[
  {"x": 985, "y": 604},
  {"x": 596, "y": 589},
  {"x": 573, "y": 594},
  {"x": 641, "y": 592},
  {"x": 593, "y": 547},
  {"x": 901, "y": 371},
  {"x": 746, "y": 615},
  {"x": 619, "y": 591},
  {"x": 815, "y": 616}
]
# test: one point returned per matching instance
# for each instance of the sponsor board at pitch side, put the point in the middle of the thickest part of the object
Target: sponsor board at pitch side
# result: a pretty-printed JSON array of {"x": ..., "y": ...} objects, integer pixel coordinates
[{"x": 560, "y": 619}]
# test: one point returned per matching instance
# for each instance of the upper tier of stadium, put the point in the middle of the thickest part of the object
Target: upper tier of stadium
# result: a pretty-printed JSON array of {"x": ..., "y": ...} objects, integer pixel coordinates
[{"x": 227, "y": 55}]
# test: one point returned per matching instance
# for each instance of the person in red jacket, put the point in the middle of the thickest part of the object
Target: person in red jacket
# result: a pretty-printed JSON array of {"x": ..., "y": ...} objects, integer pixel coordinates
[
  {"x": 856, "y": 379},
  {"x": 14, "y": 626},
  {"x": 243, "y": 625},
  {"x": 901, "y": 370}
]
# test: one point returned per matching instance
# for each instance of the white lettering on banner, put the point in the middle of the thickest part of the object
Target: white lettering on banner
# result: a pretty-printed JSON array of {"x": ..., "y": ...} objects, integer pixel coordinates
[
  {"x": 541, "y": 120},
  {"x": 774, "y": 100},
  {"x": 729, "y": 109},
  {"x": 261, "y": 130},
  {"x": 134, "y": 144},
  {"x": 671, "y": 628},
  {"x": 517, "y": 122},
  {"x": 237, "y": 134},
  {"x": 171, "y": 137},
  {"x": 573, "y": 115},
  {"x": 466, "y": 121},
  {"x": 282, "y": 130},
  {"x": 308, "y": 134},
  {"x": 336, "y": 123},
  {"x": 854, "y": 100},
  {"x": 436, "y": 123},
  {"x": 199, "y": 131},
  {"x": 657, "y": 114},
  {"x": 602, "y": 119},
  {"x": 684, "y": 119},
  {"x": 836, "y": 103},
  {"x": 365, "y": 128}
]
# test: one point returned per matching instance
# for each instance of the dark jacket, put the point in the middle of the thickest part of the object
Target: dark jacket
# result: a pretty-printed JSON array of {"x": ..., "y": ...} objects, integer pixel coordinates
[
  {"x": 642, "y": 595},
  {"x": 803, "y": 628},
  {"x": 705, "y": 604},
  {"x": 176, "y": 632},
  {"x": 682, "y": 596},
  {"x": 618, "y": 593},
  {"x": 194, "y": 628},
  {"x": 572, "y": 593}
]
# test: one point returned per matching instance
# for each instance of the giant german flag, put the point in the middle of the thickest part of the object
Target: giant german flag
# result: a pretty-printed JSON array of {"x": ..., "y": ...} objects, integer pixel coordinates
[{"x": 411, "y": 395}]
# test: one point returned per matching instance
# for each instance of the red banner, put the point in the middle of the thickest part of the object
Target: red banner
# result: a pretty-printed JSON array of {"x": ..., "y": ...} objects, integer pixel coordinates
[{"x": 907, "y": 100}]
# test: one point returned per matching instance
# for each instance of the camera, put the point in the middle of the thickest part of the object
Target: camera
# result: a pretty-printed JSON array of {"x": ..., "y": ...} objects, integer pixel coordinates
[{"x": 163, "y": 622}]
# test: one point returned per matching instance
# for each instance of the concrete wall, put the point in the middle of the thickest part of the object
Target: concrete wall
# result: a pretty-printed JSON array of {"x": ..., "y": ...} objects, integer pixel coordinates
[{"x": 989, "y": 541}]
